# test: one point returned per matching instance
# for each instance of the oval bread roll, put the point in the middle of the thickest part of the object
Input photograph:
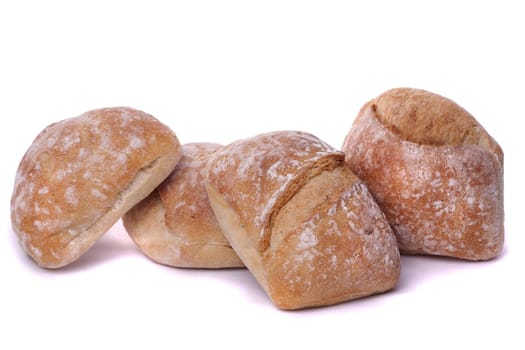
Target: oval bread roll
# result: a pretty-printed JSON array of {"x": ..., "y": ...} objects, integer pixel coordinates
[
  {"x": 435, "y": 172},
  {"x": 82, "y": 174},
  {"x": 175, "y": 224},
  {"x": 305, "y": 226}
]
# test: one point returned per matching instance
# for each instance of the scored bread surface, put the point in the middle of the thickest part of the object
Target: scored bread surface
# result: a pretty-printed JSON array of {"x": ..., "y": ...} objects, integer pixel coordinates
[
  {"x": 81, "y": 174},
  {"x": 305, "y": 226}
]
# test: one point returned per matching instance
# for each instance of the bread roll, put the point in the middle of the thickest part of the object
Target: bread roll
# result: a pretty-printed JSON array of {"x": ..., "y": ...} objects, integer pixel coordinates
[
  {"x": 304, "y": 225},
  {"x": 435, "y": 172},
  {"x": 175, "y": 224},
  {"x": 82, "y": 174}
]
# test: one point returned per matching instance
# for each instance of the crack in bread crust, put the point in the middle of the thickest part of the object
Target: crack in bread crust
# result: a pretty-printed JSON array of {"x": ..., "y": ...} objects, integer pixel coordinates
[
  {"x": 305, "y": 226},
  {"x": 305, "y": 174},
  {"x": 257, "y": 176}
]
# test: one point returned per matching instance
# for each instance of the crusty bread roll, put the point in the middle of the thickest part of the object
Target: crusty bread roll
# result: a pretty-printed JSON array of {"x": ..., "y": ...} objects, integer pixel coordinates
[
  {"x": 435, "y": 172},
  {"x": 305, "y": 226},
  {"x": 82, "y": 174},
  {"x": 175, "y": 224}
]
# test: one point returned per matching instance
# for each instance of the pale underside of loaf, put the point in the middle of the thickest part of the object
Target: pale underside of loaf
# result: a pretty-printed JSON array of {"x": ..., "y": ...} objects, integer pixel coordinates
[
  {"x": 175, "y": 225},
  {"x": 146, "y": 225}
]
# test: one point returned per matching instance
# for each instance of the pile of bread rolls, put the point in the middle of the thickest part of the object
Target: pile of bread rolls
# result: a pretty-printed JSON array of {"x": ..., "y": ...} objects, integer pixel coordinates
[{"x": 417, "y": 174}]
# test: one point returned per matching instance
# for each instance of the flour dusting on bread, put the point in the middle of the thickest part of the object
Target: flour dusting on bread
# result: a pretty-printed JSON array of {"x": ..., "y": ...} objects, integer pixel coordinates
[
  {"x": 75, "y": 170},
  {"x": 444, "y": 199},
  {"x": 265, "y": 173},
  {"x": 175, "y": 224},
  {"x": 306, "y": 227}
]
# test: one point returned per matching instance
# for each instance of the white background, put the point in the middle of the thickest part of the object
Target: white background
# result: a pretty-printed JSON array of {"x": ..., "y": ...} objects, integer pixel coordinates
[{"x": 222, "y": 70}]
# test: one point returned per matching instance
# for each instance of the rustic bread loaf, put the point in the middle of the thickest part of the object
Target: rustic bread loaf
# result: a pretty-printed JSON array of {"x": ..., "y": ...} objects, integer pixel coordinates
[
  {"x": 175, "y": 224},
  {"x": 305, "y": 226},
  {"x": 435, "y": 172},
  {"x": 82, "y": 174}
]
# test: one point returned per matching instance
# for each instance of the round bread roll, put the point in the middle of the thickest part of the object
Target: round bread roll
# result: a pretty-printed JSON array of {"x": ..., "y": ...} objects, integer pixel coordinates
[
  {"x": 301, "y": 221},
  {"x": 82, "y": 174},
  {"x": 175, "y": 224},
  {"x": 435, "y": 172}
]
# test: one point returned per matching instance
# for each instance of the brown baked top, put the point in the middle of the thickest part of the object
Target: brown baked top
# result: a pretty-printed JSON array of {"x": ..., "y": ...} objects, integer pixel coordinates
[
  {"x": 258, "y": 175},
  {"x": 75, "y": 170},
  {"x": 186, "y": 203},
  {"x": 424, "y": 117}
]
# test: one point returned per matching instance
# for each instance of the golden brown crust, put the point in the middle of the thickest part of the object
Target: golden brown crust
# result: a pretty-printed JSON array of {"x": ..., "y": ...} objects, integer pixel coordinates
[
  {"x": 81, "y": 174},
  {"x": 435, "y": 172},
  {"x": 304, "y": 225},
  {"x": 426, "y": 118},
  {"x": 331, "y": 243},
  {"x": 175, "y": 225},
  {"x": 185, "y": 198},
  {"x": 263, "y": 161}
]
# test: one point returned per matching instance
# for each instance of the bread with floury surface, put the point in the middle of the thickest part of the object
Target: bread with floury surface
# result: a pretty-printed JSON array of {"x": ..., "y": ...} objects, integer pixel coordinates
[
  {"x": 80, "y": 175},
  {"x": 175, "y": 224},
  {"x": 301, "y": 221},
  {"x": 434, "y": 170}
]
